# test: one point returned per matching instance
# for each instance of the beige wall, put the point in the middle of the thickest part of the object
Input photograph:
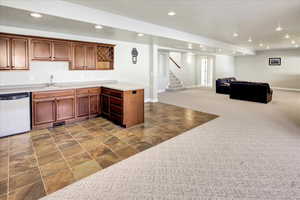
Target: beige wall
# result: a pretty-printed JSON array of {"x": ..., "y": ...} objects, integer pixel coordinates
[{"x": 256, "y": 68}]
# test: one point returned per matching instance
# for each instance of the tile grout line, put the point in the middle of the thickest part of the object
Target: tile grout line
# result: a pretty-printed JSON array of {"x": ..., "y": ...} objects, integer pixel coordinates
[
  {"x": 107, "y": 145},
  {"x": 84, "y": 147},
  {"x": 38, "y": 165},
  {"x": 63, "y": 157}
]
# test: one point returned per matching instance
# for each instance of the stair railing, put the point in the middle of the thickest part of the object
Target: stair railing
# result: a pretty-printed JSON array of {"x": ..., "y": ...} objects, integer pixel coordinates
[{"x": 175, "y": 62}]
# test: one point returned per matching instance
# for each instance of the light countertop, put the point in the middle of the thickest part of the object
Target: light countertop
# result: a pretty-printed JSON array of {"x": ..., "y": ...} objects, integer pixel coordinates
[{"x": 9, "y": 89}]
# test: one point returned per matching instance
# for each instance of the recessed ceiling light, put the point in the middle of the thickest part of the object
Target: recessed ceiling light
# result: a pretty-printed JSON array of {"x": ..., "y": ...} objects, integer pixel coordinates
[
  {"x": 190, "y": 46},
  {"x": 287, "y": 36},
  {"x": 293, "y": 42},
  {"x": 171, "y": 13},
  {"x": 140, "y": 34},
  {"x": 279, "y": 28},
  {"x": 261, "y": 44},
  {"x": 268, "y": 47},
  {"x": 36, "y": 15},
  {"x": 250, "y": 39},
  {"x": 235, "y": 35},
  {"x": 98, "y": 27},
  {"x": 297, "y": 45}
]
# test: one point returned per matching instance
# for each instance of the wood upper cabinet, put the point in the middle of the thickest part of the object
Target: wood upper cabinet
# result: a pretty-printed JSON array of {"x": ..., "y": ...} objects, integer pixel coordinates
[
  {"x": 41, "y": 49},
  {"x": 90, "y": 57},
  {"x": 83, "y": 56},
  {"x": 78, "y": 56},
  {"x": 19, "y": 53},
  {"x": 44, "y": 111},
  {"x": 65, "y": 108},
  {"x": 50, "y": 50},
  {"x": 13, "y": 53},
  {"x": 61, "y": 51},
  {"x": 5, "y": 53}
]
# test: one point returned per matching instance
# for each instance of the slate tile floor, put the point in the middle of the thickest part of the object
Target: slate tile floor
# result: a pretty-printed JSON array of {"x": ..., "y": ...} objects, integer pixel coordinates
[{"x": 40, "y": 162}]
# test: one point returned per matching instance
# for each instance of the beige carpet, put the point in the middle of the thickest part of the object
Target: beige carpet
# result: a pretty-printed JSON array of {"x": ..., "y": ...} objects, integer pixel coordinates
[{"x": 252, "y": 151}]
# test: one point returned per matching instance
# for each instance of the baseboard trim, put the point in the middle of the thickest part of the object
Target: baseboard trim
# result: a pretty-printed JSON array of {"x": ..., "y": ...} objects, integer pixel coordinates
[
  {"x": 287, "y": 89},
  {"x": 149, "y": 100}
]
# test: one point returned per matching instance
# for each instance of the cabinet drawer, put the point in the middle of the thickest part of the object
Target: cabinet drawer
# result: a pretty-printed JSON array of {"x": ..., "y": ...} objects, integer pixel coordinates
[
  {"x": 82, "y": 91},
  {"x": 94, "y": 90},
  {"x": 112, "y": 92},
  {"x": 116, "y": 109},
  {"x": 118, "y": 119},
  {"x": 116, "y": 101},
  {"x": 49, "y": 94}
]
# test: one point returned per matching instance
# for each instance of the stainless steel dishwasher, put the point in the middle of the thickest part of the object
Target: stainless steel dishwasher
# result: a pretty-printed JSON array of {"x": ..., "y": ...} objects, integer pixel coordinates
[{"x": 14, "y": 113}]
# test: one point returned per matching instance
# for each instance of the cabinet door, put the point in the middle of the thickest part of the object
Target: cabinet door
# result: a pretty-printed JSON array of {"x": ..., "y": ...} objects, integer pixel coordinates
[
  {"x": 19, "y": 53},
  {"x": 90, "y": 57},
  {"x": 78, "y": 56},
  {"x": 94, "y": 104},
  {"x": 61, "y": 51},
  {"x": 83, "y": 106},
  {"x": 65, "y": 108},
  {"x": 43, "y": 111},
  {"x": 105, "y": 104},
  {"x": 4, "y": 53},
  {"x": 41, "y": 50}
]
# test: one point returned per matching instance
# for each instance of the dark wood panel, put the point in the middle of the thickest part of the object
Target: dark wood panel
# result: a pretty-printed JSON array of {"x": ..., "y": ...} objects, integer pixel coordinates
[
  {"x": 41, "y": 50},
  {"x": 61, "y": 51},
  {"x": 19, "y": 53},
  {"x": 65, "y": 108},
  {"x": 4, "y": 53},
  {"x": 105, "y": 104}
]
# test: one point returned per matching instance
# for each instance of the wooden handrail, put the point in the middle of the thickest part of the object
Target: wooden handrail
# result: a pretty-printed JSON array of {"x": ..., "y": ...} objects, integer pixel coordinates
[{"x": 174, "y": 62}]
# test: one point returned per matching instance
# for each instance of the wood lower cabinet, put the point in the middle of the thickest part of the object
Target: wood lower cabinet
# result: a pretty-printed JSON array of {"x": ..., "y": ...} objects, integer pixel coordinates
[
  {"x": 14, "y": 53},
  {"x": 83, "y": 105},
  {"x": 125, "y": 108},
  {"x": 65, "y": 108},
  {"x": 44, "y": 111},
  {"x": 94, "y": 104},
  {"x": 52, "y": 107},
  {"x": 88, "y": 102}
]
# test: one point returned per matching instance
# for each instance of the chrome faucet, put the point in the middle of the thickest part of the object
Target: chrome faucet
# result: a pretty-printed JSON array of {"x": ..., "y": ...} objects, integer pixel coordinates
[{"x": 51, "y": 83}]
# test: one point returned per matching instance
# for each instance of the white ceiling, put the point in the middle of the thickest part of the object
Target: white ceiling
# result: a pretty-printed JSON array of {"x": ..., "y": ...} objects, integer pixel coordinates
[
  {"x": 20, "y": 18},
  {"x": 216, "y": 19}
]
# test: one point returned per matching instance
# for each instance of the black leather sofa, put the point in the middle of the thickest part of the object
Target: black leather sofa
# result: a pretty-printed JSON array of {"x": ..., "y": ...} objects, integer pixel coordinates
[
  {"x": 223, "y": 85},
  {"x": 251, "y": 91}
]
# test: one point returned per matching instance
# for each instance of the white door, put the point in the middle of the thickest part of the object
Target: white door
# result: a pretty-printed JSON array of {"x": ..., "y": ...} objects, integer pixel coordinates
[{"x": 206, "y": 67}]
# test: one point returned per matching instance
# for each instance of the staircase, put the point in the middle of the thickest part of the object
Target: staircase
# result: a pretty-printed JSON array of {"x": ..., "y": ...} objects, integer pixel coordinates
[{"x": 174, "y": 83}]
